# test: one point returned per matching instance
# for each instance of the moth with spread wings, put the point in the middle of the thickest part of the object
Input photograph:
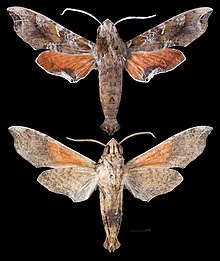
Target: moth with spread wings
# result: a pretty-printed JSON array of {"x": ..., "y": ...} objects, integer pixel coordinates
[
  {"x": 76, "y": 176},
  {"x": 72, "y": 57}
]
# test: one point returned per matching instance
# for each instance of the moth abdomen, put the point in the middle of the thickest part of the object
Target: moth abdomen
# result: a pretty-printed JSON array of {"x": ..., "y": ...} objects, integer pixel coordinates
[{"x": 110, "y": 90}]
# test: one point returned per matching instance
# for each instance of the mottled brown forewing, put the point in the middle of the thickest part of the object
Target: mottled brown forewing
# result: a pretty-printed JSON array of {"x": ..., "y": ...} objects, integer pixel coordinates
[
  {"x": 177, "y": 151},
  {"x": 180, "y": 30},
  {"x": 43, "y": 151},
  {"x": 40, "y": 32}
]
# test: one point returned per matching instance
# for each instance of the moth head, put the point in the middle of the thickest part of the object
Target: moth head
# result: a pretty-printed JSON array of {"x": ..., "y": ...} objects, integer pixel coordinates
[
  {"x": 106, "y": 27},
  {"x": 113, "y": 148}
]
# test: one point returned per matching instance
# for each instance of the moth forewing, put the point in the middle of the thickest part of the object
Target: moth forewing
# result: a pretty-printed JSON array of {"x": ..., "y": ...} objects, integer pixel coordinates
[
  {"x": 41, "y": 32},
  {"x": 177, "y": 151},
  {"x": 43, "y": 151},
  {"x": 180, "y": 30}
]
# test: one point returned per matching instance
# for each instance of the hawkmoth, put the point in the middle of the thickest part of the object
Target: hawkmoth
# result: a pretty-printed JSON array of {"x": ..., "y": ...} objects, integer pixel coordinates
[
  {"x": 72, "y": 57},
  {"x": 76, "y": 176}
]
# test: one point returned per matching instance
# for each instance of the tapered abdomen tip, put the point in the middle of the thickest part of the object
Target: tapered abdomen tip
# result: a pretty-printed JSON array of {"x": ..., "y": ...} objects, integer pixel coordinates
[
  {"x": 111, "y": 244},
  {"x": 110, "y": 126}
]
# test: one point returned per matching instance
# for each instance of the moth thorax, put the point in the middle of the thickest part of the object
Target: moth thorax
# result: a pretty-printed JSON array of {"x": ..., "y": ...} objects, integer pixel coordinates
[
  {"x": 109, "y": 44},
  {"x": 107, "y": 36}
]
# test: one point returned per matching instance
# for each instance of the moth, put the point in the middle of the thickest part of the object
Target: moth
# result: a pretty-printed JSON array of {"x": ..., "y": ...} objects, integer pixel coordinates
[
  {"x": 72, "y": 57},
  {"x": 76, "y": 176}
]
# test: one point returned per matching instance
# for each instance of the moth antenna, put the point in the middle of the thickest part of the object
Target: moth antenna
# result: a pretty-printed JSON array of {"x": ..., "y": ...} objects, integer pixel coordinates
[
  {"x": 87, "y": 140},
  {"x": 135, "y": 134},
  {"x": 80, "y": 11},
  {"x": 134, "y": 17}
]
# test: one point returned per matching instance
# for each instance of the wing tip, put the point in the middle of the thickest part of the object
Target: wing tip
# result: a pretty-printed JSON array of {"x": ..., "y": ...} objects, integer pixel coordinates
[
  {"x": 15, "y": 128},
  {"x": 204, "y": 9},
  {"x": 19, "y": 130},
  {"x": 14, "y": 9},
  {"x": 203, "y": 128}
]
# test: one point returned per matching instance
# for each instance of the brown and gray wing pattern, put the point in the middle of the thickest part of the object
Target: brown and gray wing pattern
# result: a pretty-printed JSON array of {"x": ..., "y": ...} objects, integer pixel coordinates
[
  {"x": 40, "y": 32},
  {"x": 177, "y": 151},
  {"x": 147, "y": 183},
  {"x": 43, "y": 151},
  {"x": 149, "y": 174},
  {"x": 78, "y": 183},
  {"x": 180, "y": 30}
]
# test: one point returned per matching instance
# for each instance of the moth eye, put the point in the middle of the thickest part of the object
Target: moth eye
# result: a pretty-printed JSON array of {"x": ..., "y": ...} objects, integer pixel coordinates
[
  {"x": 106, "y": 150},
  {"x": 120, "y": 149}
]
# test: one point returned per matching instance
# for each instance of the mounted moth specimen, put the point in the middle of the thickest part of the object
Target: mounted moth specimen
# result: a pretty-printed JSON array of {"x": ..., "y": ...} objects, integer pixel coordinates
[
  {"x": 72, "y": 57},
  {"x": 76, "y": 176}
]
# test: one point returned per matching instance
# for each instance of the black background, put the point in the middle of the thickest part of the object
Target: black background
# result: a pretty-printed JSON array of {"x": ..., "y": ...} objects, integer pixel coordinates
[{"x": 42, "y": 224}]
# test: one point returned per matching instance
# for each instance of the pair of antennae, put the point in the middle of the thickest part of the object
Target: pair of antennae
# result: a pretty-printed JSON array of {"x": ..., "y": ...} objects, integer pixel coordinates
[
  {"x": 99, "y": 142},
  {"x": 123, "y": 19}
]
